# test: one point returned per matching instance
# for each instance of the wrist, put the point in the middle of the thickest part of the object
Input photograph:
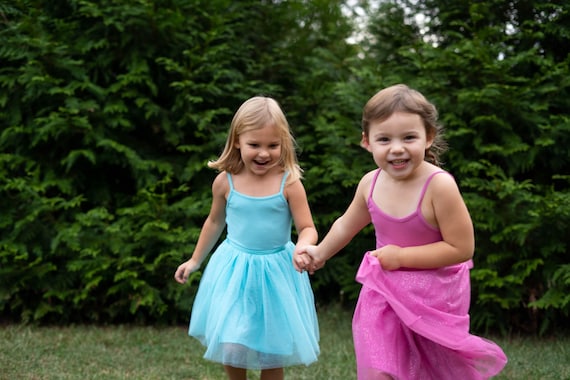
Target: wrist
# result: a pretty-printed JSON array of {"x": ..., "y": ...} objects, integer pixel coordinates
[
  {"x": 194, "y": 261},
  {"x": 319, "y": 254},
  {"x": 402, "y": 258}
]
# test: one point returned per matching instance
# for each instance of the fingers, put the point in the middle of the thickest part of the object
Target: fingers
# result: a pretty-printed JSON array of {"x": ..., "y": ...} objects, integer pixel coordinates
[
  {"x": 305, "y": 262},
  {"x": 314, "y": 266},
  {"x": 298, "y": 263},
  {"x": 301, "y": 262},
  {"x": 181, "y": 274}
]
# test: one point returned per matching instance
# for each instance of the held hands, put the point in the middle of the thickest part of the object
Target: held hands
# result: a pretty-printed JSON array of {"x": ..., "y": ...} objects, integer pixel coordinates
[
  {"x": 388, "y": 257},
  {"x": 184, "y": 270},
  {"x": 307, "y": 259}
]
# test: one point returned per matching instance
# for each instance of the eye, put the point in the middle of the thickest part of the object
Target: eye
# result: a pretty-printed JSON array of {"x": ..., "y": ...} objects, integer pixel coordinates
[
  {"x": 253, "y": 145},
  {"x": 410, "y": 137},
  {"x": 382, "y": 139},
  {"x": 274, "y": 146}
]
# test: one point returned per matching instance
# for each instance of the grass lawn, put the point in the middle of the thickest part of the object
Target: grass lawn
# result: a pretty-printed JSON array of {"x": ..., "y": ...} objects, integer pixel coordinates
[{"x": 147, "y": 353}]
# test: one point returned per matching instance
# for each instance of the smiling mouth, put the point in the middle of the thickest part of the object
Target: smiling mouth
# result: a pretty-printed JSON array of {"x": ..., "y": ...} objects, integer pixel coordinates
[{"x": 398, "y": 162}]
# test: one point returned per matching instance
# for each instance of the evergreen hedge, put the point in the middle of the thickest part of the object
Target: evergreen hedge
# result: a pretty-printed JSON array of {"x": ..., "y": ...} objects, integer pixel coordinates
[{"x": 110, "y": 110}]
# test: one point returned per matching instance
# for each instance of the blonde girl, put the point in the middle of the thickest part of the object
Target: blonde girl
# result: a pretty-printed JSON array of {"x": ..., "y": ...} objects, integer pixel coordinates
[{"x": 252, "y": 309}]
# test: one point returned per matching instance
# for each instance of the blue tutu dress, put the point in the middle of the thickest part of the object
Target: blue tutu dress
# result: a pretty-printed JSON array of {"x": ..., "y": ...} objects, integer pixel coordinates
[{"x": 252, "y": 309}]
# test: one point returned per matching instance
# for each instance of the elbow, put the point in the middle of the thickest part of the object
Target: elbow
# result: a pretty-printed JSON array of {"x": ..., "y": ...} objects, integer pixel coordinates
[
  {"x": 467, "y": 252},
  {"x": 461, "y": 251},
  {"x": 466, "y": 247}
]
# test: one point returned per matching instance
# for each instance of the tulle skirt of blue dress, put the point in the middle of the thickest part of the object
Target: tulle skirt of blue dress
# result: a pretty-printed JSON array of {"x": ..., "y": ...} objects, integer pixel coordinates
[{"x": 253, "y": 310}]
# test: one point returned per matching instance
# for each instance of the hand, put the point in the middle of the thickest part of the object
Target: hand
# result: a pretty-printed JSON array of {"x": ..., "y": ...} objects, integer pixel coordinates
[
  {"x": 307, "y": 258},
  {"x": 317, "y": 262},
  {"x": 301, "y": 260},
  {"x": 184, "y": 270},
  {"x": 388, "y": 256}
]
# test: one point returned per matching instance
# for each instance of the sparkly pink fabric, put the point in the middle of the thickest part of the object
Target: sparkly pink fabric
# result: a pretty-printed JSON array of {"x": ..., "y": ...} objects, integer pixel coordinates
[{"x": 414, "y": 324}]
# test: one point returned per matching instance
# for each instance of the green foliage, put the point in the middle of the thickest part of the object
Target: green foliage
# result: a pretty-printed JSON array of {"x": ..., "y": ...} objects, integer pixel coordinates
[
  {"x": 110, "y": 110},
  {"x": 498, "y": 72}
]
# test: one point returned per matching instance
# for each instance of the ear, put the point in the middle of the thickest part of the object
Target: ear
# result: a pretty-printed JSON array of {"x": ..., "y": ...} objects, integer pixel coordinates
[
  {"x": 364, "y": 142},
  {"x": 430, "y": 138}
]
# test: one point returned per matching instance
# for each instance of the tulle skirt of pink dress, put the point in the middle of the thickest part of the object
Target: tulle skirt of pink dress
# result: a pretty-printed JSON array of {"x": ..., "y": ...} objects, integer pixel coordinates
[{"x": 414, "y": 325}]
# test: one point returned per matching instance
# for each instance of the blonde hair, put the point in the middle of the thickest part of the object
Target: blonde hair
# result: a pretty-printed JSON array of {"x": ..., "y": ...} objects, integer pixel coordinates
[
  {"x": 256, "y": 113},
  {"x": 401, "y": 98}
]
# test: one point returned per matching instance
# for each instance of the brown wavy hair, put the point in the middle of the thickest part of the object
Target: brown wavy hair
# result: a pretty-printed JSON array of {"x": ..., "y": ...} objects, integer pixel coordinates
[{"x": 401, "y": 98}]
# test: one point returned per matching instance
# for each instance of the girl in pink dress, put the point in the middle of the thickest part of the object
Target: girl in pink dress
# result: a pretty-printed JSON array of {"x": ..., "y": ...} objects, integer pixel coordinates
[{"x": 411, "y": 320}]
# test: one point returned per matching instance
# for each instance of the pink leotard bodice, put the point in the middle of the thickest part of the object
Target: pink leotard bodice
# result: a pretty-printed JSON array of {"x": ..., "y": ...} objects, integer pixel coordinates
[
  {"x": 411, "y": 230},
  {"x": 414, "y": 323}
]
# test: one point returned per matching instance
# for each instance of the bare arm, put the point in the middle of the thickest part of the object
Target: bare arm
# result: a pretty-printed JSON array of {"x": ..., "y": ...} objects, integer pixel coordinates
[
  {"x": 355, "y": 218},
  {"x": 454, "y": 222},
  {"x": 301, "y": 212},
  {"x": 211, "y": 230}
]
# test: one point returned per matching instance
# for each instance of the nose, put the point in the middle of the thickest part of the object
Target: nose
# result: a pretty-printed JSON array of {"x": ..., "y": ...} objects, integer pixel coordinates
[{"x": 397, "y": 147}]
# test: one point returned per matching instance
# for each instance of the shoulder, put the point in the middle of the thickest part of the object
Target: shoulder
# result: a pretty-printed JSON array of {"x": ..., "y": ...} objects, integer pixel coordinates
[
  {"x": 294, "y": 188},
  {"x": 221, "y": 184},
  {"x": 366, "y": 181},
  {"x": 444, "y": 191},
  {"x": 368, "y": 177},
  {"x": 443, "y": 180}
]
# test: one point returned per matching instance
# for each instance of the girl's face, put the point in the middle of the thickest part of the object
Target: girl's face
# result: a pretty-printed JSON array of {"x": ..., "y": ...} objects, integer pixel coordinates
[
  {"x": 260, "y": 149},
  {"x": 398, "y": 144}
]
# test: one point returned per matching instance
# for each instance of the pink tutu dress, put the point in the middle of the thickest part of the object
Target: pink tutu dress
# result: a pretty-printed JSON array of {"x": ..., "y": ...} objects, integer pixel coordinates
[{"x": 414, "y": 324}]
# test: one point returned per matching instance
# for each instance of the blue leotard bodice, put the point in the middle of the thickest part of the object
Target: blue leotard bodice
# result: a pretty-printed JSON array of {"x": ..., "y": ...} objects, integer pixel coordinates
[{"x": 266, "y": 225}]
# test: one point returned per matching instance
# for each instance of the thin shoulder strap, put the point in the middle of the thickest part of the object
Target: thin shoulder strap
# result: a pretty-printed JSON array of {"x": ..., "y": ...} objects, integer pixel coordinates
[
  {"x": 283, "y": 181},
  {"x": 230, "y": 181},
  {"x": 424, "y": 189},
  {"x": 373, "y": 183}
]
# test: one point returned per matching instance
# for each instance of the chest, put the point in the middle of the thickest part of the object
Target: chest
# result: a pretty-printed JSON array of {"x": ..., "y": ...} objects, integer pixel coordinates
[{"x": 399, "y": 201}]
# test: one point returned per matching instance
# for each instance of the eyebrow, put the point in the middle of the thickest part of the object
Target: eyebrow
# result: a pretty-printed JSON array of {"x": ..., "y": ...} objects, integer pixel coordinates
[
  {"x": 404, "y": 132},
  {"x": 251, "y": 141}
]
